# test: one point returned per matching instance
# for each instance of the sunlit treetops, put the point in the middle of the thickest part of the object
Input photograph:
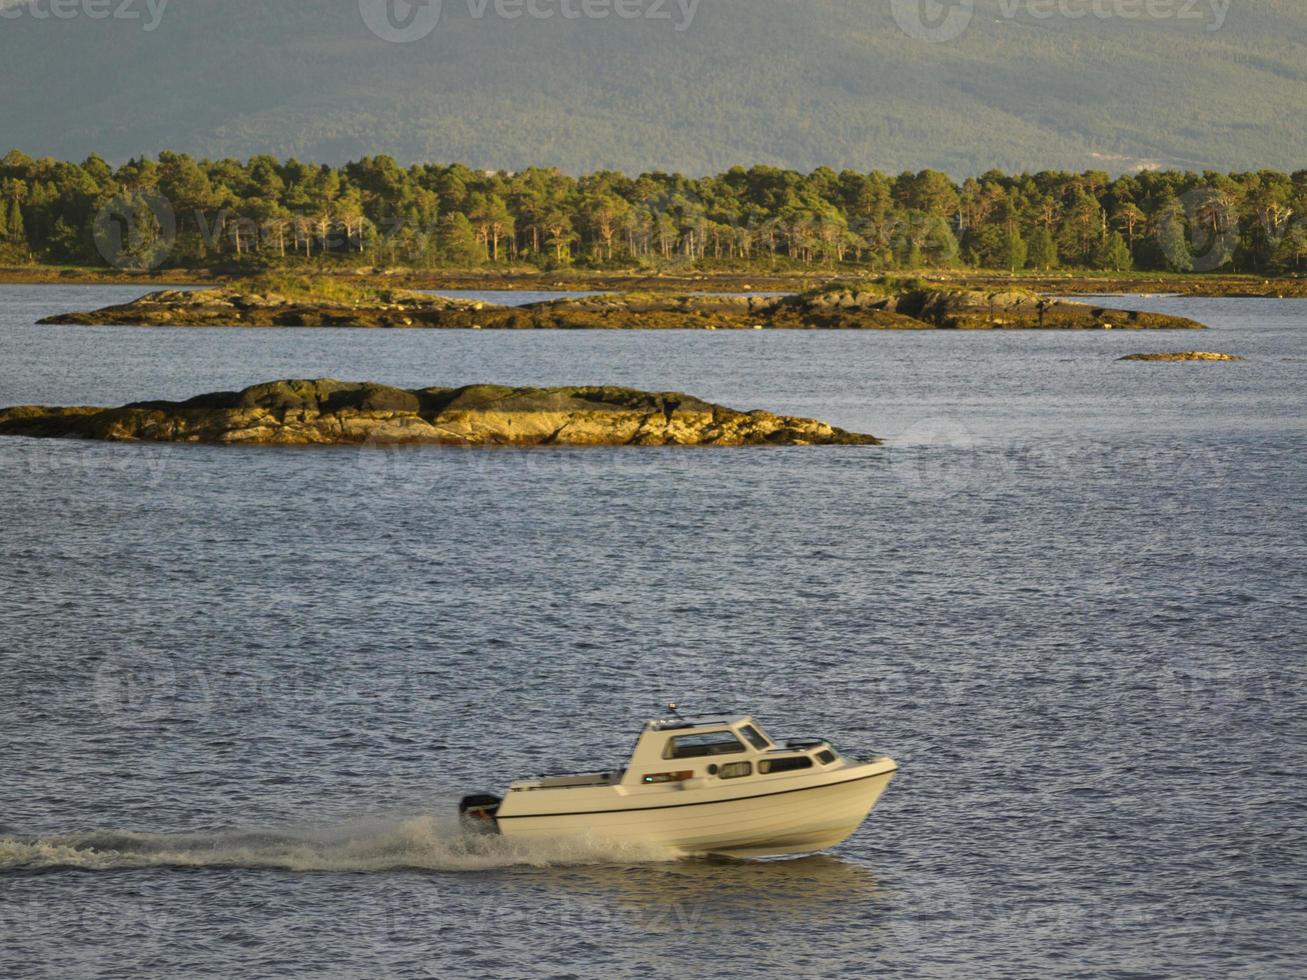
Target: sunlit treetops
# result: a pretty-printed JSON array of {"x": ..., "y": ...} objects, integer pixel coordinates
[{"x": 265, "y": 212}]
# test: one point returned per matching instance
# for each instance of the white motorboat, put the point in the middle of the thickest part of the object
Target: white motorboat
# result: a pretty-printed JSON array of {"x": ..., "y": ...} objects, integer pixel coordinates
[{"x": 703, "y": 786}]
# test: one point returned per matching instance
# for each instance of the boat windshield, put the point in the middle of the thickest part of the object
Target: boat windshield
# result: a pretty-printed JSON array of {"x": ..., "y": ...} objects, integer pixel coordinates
[
  {"x": 754, "y": 736},
  {"x": 704, "y": 743}
]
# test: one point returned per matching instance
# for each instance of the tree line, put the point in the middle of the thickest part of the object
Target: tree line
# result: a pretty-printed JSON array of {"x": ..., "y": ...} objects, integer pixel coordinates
[{"x": 176, "y": 211}]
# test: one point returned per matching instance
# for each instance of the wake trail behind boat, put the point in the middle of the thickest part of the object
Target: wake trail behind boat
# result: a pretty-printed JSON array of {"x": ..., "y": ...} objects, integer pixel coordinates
[{"x": 424, "y": 843}]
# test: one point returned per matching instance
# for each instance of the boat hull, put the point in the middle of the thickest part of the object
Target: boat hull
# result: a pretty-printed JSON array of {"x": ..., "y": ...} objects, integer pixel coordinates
[{"x": 786, "y": 817}]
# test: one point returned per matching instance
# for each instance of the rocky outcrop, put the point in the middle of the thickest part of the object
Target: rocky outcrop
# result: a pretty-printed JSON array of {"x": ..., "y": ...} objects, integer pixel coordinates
[
  {"x": 635, "y": 311},
  {"x": 877, "y": 305},
  {"x": 235, "y": 307},
  {"x": 327, "y": 412},
  {"x": 884, "y": 306},
  {"x": 1186, "y": 355}
]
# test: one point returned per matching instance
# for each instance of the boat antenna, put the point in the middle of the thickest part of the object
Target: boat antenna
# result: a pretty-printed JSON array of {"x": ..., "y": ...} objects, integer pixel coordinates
[{"x": 671, "y": 706}]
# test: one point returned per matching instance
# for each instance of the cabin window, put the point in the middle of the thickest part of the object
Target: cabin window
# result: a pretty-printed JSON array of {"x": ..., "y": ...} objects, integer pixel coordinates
[
  {"x": 734, "y": 770},
  {"x": 703, "y": 743},
  {"x": 755, "y": 737},
  {"x": 668, "y": 777},
  {"x": 785, "y": 764},
  {"x": 825, "y": 757}
]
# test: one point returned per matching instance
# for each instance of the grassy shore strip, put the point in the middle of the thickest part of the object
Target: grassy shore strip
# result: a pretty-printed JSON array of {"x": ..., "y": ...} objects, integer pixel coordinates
[{"x": 1057, "y": 284}]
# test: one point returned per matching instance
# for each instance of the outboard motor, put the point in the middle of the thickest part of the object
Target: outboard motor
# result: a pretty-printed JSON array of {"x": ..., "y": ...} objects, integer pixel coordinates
[{"x": 477, "y": 812}]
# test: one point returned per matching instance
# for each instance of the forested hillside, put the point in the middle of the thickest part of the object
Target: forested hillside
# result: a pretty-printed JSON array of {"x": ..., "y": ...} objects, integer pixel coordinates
[
  {"x": 182, "y": 212},
  {"x": 794, "y": 83}
]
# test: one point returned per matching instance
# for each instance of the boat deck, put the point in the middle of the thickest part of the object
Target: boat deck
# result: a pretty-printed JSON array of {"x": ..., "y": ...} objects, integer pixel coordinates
[{"x": 576, "y": 781}]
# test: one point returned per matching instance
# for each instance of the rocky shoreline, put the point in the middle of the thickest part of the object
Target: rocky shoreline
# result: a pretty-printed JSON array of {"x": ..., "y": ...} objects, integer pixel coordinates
[
  {"x": 883, "y": 305},
  {"x": 328, "y": 412},
  {"x": 525, "y": 278}
]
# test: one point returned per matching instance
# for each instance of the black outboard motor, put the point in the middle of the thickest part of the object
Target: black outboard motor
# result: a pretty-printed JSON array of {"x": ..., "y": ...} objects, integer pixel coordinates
[{"x": 477, "y": 812}]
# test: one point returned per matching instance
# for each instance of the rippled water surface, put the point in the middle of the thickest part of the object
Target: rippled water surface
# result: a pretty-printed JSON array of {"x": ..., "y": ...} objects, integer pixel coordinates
[{"x": 242, "y": 688}]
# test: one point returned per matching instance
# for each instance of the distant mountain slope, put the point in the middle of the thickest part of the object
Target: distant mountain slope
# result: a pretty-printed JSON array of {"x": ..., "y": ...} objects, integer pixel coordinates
[{"x": 793, "y": 82}]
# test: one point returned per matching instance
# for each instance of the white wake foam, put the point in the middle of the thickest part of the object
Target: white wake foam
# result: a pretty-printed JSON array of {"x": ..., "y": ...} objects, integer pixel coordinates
[{"x": 420, "y": 843}]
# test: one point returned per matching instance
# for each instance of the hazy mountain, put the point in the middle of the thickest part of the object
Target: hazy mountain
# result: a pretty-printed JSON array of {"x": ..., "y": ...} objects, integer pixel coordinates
[{"x": 792, "y": 82}]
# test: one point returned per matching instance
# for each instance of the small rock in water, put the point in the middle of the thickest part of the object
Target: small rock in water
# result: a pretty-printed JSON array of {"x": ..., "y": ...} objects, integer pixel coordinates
[{"x": 1187, "y": 355}]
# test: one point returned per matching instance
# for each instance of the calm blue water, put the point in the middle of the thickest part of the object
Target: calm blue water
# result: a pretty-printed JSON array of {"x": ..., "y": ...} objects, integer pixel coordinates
[{"x": 242, "y": 688}]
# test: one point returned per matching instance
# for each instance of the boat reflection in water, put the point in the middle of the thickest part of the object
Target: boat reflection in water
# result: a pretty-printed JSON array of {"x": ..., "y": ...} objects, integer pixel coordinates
[{"x": 818, "y": 909}]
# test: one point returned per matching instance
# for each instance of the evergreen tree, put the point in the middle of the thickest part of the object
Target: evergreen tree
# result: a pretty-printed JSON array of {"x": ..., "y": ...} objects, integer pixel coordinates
[
  {"x": 941, "y": 242},
  {"x": 1113, "y": 253},
  {"x": 460, "y": 243},
  {"x": 1292, "y": 251},
  {"x": 1173, "y": 238},
  {"x": 1043, "y": 250},
  {"x": 1015, "y": 250},
  {"x": 12, "y": 227},
  {"x": 67, "y": 242}
]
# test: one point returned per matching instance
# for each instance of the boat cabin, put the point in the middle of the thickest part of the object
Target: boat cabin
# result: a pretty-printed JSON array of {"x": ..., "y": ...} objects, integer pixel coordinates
[
  {"x": 680, "y": 750},
  {"x": 730, "y": 748}
]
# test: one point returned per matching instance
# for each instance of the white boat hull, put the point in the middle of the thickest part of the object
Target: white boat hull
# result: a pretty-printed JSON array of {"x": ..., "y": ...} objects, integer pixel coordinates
[{"x": 793, "y": 815}]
